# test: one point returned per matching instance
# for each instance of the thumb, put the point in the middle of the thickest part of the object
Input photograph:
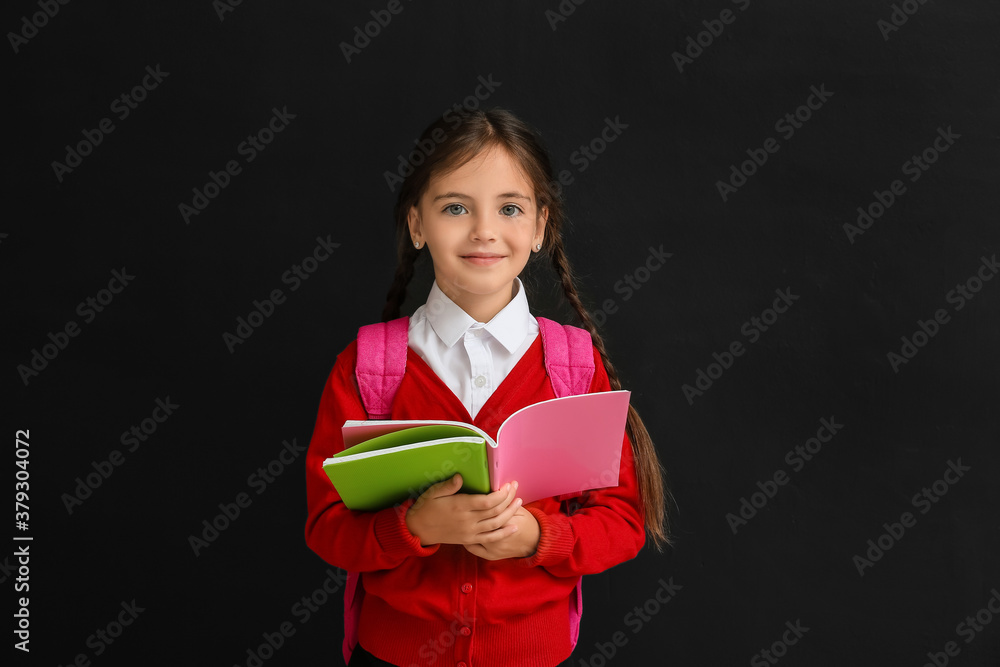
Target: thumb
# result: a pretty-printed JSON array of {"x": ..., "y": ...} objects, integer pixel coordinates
[{"x": 449, "y": 486}]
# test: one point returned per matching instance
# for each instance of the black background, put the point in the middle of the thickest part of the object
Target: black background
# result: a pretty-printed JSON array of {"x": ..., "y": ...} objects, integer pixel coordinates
[{"x": 654, "y": 186}]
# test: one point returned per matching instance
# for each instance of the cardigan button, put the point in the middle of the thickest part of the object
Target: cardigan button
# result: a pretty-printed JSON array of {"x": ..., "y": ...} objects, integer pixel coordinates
[
  {"x": 462, "y": 664},
  {"x": 466, "y": 588},
  {"x": 465, "y": 631}
]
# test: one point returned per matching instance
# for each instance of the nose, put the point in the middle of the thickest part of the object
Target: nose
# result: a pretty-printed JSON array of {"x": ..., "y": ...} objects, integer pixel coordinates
[{"x": 483, "y": 227}]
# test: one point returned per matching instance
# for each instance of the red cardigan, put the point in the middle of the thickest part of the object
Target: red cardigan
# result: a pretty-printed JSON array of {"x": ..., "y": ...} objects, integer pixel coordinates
[{"x": 440, "y": 604}]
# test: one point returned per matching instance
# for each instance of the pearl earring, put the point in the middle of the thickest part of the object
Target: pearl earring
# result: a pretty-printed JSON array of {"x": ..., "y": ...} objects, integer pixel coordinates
[
  {"x": 538, "y": 246},
  {"x": 416, "y": 244}
]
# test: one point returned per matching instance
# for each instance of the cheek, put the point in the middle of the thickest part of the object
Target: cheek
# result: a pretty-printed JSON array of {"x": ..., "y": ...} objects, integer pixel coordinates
[
  {"x": 526, "y": 240},
  {"x": 437, "y": 231}
]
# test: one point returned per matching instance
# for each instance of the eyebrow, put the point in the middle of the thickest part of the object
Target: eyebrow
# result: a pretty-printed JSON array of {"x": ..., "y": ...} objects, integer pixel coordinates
[{"x": 504, "y": 195}]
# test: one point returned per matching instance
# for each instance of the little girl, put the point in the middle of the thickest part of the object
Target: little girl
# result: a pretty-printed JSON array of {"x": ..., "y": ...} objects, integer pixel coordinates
[{"x": 476, "y": 580}]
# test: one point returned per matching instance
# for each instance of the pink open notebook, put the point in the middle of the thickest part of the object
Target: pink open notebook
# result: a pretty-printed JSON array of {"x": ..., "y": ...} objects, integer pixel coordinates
[{"x": 556, "y": 447}]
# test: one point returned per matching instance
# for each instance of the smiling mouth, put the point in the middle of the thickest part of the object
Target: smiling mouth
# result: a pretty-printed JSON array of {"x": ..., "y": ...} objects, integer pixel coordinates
[{"x": 483, "y": 259}]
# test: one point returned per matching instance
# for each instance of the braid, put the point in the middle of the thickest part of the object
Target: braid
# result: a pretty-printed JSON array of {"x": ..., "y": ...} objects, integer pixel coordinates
[
  {"x": 649, "y": 471},
  {"x": 404, "y": 273}
]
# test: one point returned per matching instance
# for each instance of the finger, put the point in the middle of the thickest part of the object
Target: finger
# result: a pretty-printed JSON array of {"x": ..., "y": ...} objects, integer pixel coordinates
[
  {"x": 484, "y": 553},
  {"x": 448, "y": 487},
  {"x": 501, "y": 521},
  {"x": 493, "y": 503},
  {"x": 501, "y": 533}
]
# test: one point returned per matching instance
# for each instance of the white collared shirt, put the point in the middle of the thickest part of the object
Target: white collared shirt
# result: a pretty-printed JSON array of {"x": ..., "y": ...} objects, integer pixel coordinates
[{"x": 489, "y": 351}]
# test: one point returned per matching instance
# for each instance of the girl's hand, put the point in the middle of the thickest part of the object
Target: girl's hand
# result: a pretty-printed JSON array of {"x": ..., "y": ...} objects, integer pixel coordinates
[
  {"x": 441, "y": 515},
  {"x": 520, "y": 544}
]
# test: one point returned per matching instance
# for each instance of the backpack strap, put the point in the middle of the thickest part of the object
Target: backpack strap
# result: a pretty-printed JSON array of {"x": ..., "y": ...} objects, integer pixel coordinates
[
  {"x": 569, "y": 361},
  {"x": 354, "y": 593},
  {"x": 381, "y": 364},
  {"x": 569, "y": 357},
  {"x": 380, "y": 367}
]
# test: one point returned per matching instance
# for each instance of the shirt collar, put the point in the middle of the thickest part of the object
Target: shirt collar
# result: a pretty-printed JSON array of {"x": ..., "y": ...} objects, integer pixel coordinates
[{"x": 450, "y": 322}]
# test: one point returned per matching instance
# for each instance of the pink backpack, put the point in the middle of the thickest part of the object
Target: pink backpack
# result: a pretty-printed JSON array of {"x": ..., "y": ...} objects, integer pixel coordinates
[{"x": 569, "y": 362}]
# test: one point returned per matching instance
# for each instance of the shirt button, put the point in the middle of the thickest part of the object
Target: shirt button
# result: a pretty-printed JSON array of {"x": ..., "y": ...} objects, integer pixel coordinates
[
  {"x": 465, "y": 631},
  {"x": 466, "y": 588},
  {"x": 480, "y": 381}
]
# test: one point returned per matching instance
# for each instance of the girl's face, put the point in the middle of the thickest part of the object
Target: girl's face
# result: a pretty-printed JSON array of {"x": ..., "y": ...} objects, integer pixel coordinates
[{"x": 480, "y": 223}]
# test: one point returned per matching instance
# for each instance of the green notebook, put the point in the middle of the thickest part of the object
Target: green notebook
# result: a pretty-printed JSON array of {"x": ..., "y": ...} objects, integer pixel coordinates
[{"x": 422, "y": 456}]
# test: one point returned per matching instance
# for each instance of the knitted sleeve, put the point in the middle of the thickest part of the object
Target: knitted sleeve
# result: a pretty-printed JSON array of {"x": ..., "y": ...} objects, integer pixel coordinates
[{"x": 349, "y": 539}]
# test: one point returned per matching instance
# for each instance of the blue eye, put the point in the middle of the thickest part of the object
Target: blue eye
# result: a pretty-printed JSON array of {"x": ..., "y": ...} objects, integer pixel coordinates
[
  {"x": 510, "y": 210},
  {"x": 454, "y": 209}
]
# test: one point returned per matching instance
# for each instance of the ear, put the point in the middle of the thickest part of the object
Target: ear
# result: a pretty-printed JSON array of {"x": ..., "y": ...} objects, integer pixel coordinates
[
  {"x": 543, "y": 217},
  {"x": 413, "y": 222}
]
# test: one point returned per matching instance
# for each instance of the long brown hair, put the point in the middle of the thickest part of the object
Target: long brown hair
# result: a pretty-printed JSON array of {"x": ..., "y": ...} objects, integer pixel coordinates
[{"x": 447, "y": 144}]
